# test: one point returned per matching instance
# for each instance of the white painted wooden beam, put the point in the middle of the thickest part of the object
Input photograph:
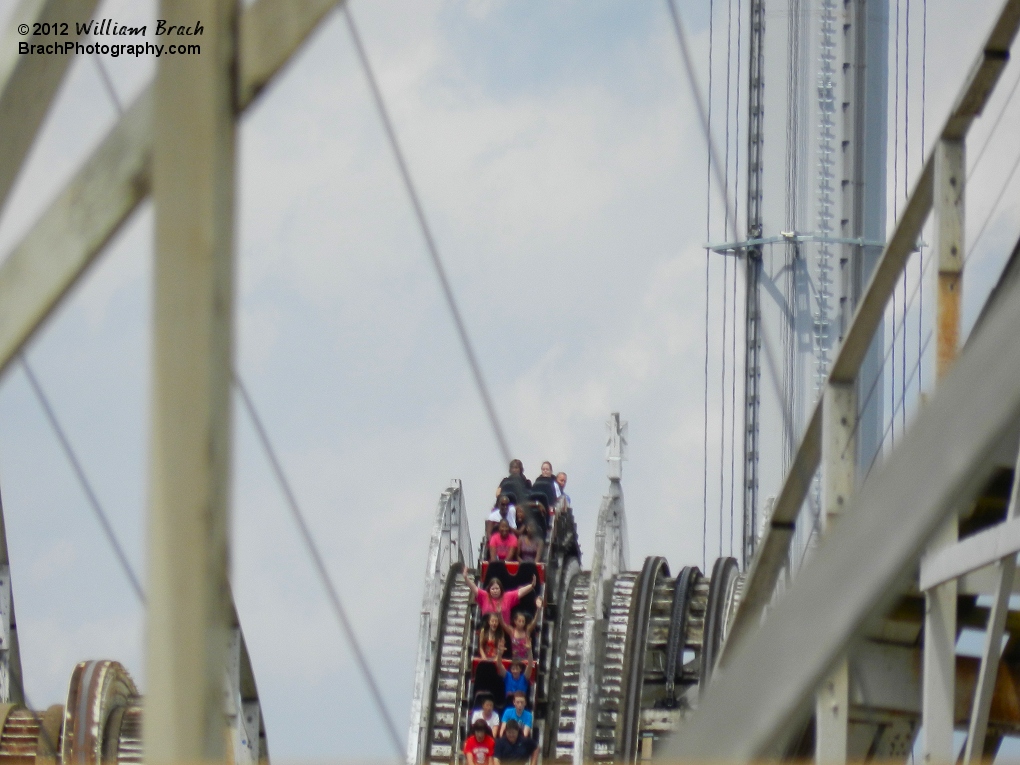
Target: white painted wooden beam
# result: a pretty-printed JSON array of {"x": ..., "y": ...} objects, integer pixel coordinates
[
  {"x": 70, "y": 234},
  {"x": 868, "y": 560},
  {"x": 193, "y": 175},
  {"x": 770, "y": 558},
  {"x": 28, "y": 83},
  {"x": 978, "y": 728},
  {"x": 971, "y": 554},
  {"x": 939, "y": 654},
  {"x": 839, "y": 477}
]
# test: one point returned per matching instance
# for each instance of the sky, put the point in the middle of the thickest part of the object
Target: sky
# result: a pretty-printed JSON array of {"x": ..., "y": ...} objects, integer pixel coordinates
[{"x": 560, "y": 163}]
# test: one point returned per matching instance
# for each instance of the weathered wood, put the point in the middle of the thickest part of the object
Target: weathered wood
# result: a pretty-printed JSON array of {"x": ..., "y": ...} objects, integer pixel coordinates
[
  {"x": 939, "y": 676},
  {"x": 772, "y": 552},
  {"x": 29, "y": 83},
  {"x": 95, "y": 203},
  {"x": 189, "y": 610},
  {"x": 839, "y": 454}
]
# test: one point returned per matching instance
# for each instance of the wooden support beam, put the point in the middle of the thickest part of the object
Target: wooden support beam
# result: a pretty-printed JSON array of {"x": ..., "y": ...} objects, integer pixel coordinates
[
  {"x": 950, "y": 175},
  {"x": 839, "y": 458},
  {"x": 978, "y": 728},
  {"x": 12, "y": 689},
  {"x": 113, "y": 181},
  {"x": 971, "y": 554},
  {"x": 939, "y": 657},
  {"x": 868, "y": 560},
  {"x": 29, "y": 83},
  {"x": 189, "y": 590},
  {"x": 770, "y": 558}
]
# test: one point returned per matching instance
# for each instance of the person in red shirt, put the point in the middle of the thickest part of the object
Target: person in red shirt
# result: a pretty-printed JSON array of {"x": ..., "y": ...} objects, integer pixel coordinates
[
  {"x": 480, "y": 746},
  {"x": 503, "y": 544}
]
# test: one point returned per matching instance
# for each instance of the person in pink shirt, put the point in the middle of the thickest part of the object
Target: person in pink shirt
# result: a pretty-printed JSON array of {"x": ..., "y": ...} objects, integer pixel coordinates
[
  {"x": 494, "y": 600},
  {"x": 503, "y": 544}
]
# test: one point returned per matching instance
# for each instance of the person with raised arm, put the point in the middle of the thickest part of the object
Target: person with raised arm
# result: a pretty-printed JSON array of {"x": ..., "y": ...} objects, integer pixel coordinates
[
  {"x": 494, "y": 600},
  {"x": 520, "y": 636}
]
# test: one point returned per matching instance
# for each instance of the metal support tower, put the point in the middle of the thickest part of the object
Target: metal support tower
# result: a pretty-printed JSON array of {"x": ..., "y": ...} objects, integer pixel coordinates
[{"x": 752, "y": 307}]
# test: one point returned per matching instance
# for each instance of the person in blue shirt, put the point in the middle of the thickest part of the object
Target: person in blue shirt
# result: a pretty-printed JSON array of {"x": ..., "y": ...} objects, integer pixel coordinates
[
  {"x": 518, "y": 714},
  {"x": 513, "y": 681}
]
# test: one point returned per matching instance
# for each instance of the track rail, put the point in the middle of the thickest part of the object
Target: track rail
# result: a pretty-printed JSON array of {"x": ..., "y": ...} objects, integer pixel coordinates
[
  {"x": 446, "y": 713},
  {"x": 563, "y": 737},
  {"x": 654, "y": 570},
  {"x": 611, "y": 680}
]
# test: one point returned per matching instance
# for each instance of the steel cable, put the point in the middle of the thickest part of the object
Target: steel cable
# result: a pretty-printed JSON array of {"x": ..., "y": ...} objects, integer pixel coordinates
[
  {"x": 995, "y": 206},
  {"x": 708, "y": 258},
  {"x": 924, "y": 109},
  {"x": 699, "y": 104},
  {"x": 297, "y": 515},
  {"x": 897, "y": 405},
  {"x": 426, "y": 230},
  {"x": 995, "y": 126},
  {"x": 320, "y": 566},
  {"x": 83, "y": 481},
  {"x": 722, "y": 403},
  {"x": 733, "y": 362}
]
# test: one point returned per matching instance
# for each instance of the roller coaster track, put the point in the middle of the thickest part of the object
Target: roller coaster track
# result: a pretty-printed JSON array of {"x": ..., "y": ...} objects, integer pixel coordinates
[
  {"x": 444, "y": 684},
  {"x": 644, "y": 650},
  {"x": 101, "y": 719},
  {"x": 447, "y": 710},
  {"x": 848, "y": 635},
  {"x": 626, "y": 654},
  {"x": 101, "y": 722},
  {"x": 622, "y": 653}
]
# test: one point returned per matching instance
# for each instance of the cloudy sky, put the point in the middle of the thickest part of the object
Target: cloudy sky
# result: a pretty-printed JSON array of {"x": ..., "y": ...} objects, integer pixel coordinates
[{"x": 560, "y": 164}]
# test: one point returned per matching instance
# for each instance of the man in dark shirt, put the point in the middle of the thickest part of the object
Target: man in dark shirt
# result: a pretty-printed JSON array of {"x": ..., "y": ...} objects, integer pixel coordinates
[{"x": 512, "y": 747}]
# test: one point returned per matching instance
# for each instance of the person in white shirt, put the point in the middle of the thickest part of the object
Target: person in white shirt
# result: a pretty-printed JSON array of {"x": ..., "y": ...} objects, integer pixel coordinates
[
  {"x": 561, "y": 484},
  {"x": 488, "y": 713},
  {"x": 503, "y": 510}
]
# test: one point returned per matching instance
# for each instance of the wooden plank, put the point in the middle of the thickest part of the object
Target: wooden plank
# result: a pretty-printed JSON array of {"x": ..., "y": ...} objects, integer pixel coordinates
[
  {"x": 973, "y": 96},
  {"x": 986, "y": 678},
  {"x": 28, "y": 83},
  {"x": 270, "y": 33},
  {"x": 71, "y": 232},
  {"x": 770, "y": 558},
  {"x": 970, "y": 554},
  {"x": 939, "y": 656},
  {"x": 189, "y": 610},
  {"x": 867, "y": 561},
  {"x": 839, "y": 453}
]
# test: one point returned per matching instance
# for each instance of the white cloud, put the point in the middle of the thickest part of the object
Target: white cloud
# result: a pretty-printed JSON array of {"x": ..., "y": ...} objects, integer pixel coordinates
[{"x": 559, "y": 163}]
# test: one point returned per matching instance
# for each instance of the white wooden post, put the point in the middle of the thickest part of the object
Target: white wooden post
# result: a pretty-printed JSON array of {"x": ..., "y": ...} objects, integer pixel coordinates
[
  {"x": 839, "y": 456},
  {"x": 193, "y": 189},
  {"x": 939, "y": 664}
]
